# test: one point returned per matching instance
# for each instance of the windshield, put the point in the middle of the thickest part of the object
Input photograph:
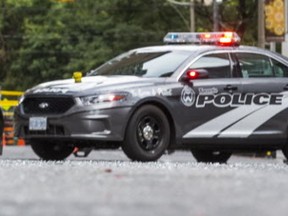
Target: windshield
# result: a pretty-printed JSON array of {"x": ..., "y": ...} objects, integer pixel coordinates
[{"x": 145, "y": 64}]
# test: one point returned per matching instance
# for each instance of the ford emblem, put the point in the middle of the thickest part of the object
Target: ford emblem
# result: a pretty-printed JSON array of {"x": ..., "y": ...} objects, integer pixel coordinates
[{"x": 43, "y": 105}]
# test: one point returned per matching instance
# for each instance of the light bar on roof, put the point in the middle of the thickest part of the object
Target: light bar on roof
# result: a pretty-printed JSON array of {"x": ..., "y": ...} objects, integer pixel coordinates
[{"x": 213, "y": 38}]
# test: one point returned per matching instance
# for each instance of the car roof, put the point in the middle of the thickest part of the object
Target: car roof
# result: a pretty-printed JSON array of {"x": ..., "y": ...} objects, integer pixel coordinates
[
  {"x": 195, "y": 48},
  {"x": 188, "y": 48},
  {"x": 198, "y": 49}
]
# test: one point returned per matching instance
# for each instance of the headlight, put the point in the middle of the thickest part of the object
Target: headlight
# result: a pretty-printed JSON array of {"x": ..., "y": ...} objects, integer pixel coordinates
[{"x": 105, "y": 98}]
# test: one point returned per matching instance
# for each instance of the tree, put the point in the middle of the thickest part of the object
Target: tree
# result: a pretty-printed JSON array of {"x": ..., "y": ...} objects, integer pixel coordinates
[
  {"x": 243, "y": 18},
  {"x": 11, "y": 31},
  {"x": 48, "y": 40}
]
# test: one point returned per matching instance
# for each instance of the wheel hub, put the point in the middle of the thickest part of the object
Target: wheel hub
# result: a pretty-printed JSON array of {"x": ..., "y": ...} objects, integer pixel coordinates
[{"x": 148, "y": 133}]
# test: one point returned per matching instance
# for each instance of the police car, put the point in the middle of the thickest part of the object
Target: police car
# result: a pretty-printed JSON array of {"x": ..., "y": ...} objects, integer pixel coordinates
[{"x": 211, "y": 96}]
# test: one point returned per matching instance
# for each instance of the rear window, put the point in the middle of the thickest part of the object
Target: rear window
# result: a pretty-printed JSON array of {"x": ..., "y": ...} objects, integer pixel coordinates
[{"x": 254, "y": 65}]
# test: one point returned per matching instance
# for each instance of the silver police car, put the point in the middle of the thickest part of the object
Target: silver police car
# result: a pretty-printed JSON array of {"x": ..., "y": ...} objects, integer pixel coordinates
[{"x": 211, "y": 96}]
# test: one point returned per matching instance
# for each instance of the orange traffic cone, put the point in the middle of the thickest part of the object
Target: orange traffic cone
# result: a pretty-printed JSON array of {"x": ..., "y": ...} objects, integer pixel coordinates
[
  {"x": 3, "y": 139},
  {"x": 21, "y": 142}
]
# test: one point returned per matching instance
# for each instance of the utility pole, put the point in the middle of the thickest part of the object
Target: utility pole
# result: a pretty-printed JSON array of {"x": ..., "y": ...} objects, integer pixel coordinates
[
  {"x": 215, "y": 16},
  {"x": 261, "y": 27},
  {"x": 191, "y": 4},
  {"x": 192, "y": 11},
  {"x": 285, "y": 43},
  {"x": 192, "y": 16}
]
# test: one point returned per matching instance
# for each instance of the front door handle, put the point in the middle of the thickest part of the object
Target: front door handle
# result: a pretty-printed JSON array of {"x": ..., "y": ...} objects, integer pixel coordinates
[{"x": 231, "y": 88}]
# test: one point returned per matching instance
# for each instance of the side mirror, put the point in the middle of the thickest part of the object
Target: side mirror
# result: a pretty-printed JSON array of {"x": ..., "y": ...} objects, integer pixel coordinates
[{"x": 193, "y": 74}]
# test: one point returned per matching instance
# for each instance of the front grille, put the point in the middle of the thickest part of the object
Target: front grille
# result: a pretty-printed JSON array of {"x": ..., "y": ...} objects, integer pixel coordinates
[{"x": 47, "y": 105}]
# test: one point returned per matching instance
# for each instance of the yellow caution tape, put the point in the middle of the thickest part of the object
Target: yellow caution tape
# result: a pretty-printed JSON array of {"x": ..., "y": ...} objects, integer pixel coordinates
[
  {"x": 11, "y": 93},
  {"x": 8, "y": 103}
]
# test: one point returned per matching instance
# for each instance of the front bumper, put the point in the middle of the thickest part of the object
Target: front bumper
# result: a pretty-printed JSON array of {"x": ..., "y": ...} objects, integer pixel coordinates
[{"x": 95, "y": 125}]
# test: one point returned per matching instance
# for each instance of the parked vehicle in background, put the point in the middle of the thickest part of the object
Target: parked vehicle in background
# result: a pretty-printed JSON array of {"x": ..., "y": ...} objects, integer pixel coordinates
[
  {"x": 8, "y": 101},
  {"x": 1, "y": 130}
]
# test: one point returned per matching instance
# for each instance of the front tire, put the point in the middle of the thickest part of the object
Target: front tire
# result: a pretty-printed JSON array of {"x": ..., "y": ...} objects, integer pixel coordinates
[
  {"x": 210, "y": 156},
  {"x": 147, "y": 134},
  {"x": 48, "y": 150}
]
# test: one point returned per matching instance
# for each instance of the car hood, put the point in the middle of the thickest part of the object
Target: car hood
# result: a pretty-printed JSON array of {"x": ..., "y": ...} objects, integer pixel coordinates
[{"x": 93, "y": 84}]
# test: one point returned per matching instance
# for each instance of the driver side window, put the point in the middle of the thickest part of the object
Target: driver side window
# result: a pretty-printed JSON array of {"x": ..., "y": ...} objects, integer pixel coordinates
[{"x": 217, "y": 65}]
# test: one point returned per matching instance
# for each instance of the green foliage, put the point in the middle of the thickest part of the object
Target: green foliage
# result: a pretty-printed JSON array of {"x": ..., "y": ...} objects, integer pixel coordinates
[{"x": 43, "y": 40}]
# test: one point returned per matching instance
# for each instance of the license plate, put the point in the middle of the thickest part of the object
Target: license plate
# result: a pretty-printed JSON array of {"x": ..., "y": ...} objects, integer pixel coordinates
[{"x": 38, "y": 123}]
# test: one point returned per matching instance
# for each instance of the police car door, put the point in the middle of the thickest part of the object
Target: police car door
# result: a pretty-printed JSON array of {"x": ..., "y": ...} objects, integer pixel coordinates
[
  {"x": 206, "y": 103},
  {"x": 263, "y": 97}
]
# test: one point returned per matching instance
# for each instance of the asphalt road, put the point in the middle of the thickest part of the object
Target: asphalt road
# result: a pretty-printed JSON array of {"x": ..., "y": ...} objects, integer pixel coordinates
[{"x": 108, "y": 184}]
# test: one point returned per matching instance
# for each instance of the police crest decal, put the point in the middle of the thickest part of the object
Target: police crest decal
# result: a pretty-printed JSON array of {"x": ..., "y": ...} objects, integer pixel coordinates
[{"x": 187, "y": 96}]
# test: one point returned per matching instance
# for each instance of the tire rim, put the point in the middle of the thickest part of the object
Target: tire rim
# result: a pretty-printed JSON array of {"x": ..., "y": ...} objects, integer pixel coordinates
[{"x": 149, "y": 133}]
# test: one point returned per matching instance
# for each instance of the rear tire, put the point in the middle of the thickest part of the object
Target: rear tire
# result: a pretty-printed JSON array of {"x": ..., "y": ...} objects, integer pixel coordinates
[
  {"x": 48, "y": 150},
  {"x": 210, "y": 156},
  {"x": 147, "y": 134}
]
